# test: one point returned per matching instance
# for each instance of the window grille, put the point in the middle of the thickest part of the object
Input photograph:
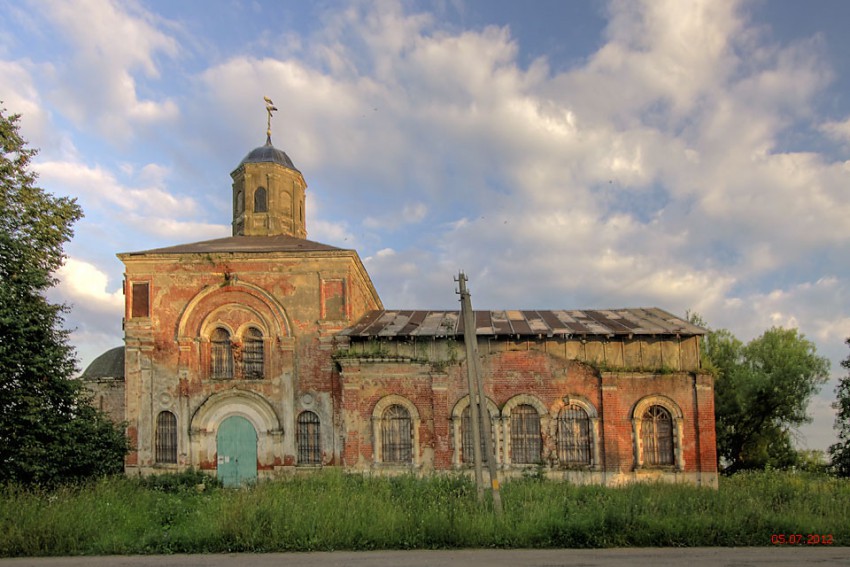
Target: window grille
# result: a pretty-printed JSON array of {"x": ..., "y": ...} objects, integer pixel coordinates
[
  {"x": 252, "y": 353},
  {"x": 526, "y": 443},
  {"x": 657, "y": 437},
  {"x": 309, "y": 439},
  {"x": 141, "y": 300},
  {"x": 166, "y": 438},
  {"x": 467, "y": 448},
  {"x": 221, "y": 358},
  {"x": 396, "y": 435},
  {"x": 574, "y": 441},
  {"x": 260, "y": 201}
]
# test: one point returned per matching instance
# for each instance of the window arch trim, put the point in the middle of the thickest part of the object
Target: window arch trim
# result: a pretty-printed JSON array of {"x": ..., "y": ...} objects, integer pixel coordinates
[
  {"x": 221, "y": 353},
  {"x": 377, "y": 438},
  {"x": 542, "y": 411},
  {"x": 593, "y": 417},
  {"x": 253, "y": 352},
  {"x": 457, "y": 429},
  {"x": 677, "y": 425}
]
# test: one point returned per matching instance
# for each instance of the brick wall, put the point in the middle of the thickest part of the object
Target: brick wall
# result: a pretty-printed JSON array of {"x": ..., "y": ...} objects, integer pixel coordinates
[{"x": 533, "y": 376}]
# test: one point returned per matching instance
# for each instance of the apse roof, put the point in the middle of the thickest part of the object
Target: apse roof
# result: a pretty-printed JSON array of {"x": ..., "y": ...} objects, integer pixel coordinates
[
  {"x": 604, "y": 322},
  {"x": 277, "y": 243},
  {"x": 108, "y": 365}
]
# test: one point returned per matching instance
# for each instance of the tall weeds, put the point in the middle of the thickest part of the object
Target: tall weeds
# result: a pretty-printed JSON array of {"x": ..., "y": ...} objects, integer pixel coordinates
[{"x": 333, "y": 510}]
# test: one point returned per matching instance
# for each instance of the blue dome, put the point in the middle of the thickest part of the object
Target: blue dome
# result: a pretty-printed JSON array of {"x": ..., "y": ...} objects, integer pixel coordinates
[{"x": 268, "y": 154}]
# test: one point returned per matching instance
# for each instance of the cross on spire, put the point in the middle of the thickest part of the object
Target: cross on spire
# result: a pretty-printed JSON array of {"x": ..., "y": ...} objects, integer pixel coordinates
[{"x": 270, "y": 107}]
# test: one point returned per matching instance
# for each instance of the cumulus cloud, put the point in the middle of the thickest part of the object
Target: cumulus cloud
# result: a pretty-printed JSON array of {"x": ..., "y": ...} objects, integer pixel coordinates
[
  {"x": 97, "y": 307},
  {"x": 653, "y": 171},
  {"x": 98, "y": 187},
  {"x": 111, "y": 43},
  {"x": 83, "y": 283}
]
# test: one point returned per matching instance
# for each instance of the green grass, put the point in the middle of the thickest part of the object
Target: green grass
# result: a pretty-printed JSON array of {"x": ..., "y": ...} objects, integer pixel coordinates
[{"x": 332, "y": 510}]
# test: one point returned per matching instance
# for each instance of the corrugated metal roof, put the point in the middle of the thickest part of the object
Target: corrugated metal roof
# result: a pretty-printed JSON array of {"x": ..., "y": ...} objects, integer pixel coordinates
[{"x": 606, "y": 322}]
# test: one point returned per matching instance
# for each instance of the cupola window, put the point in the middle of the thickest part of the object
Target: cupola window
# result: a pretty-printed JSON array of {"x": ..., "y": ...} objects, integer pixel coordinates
[{"x": 261, "y": 204}]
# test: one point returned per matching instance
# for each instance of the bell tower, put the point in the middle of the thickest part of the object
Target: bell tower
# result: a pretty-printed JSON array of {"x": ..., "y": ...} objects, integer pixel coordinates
[{"x": 268, "y": 192}]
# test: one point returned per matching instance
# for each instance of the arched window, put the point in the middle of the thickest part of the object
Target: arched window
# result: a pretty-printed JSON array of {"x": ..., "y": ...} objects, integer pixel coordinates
[
  {"x": 221, "y": 354},
  {"x": 396, "y": 435},
  {"x": 526, "y": 443},
  {"x": 656, "y": 434},
  {"x": 240, "y": 201},
  {"x": 309, "y": 439},
  {"x": 574, "y": 438},
  {"x": 467, "y": 450},
  {"x": 252, "y": 353},
  {"x": 261, "y": 204},
  {"x": 166, "y": 438}
]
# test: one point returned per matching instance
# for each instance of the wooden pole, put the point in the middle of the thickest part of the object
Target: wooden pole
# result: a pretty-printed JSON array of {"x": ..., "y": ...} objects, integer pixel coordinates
[
  {"x": 478, "y": 402},
  {"x": 469, "y": 330}
]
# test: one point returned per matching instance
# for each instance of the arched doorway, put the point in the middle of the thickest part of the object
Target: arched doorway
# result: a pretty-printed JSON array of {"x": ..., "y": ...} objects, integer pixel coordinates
[{"x": 236, "y": 447}]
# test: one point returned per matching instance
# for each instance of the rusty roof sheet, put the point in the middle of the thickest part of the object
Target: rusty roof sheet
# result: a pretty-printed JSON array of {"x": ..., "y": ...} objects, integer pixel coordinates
[{"x": 604, "y": 322}]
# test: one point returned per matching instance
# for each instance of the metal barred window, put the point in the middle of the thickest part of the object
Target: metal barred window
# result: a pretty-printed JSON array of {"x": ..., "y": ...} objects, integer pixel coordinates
[
  {"x": 526, "y": 443},
  {"x": 309, "y": 439},
  {"x": 657, "y": 436},
  {"x": 396, "y": 435},
  {"x": 166, "y": 438},
  {"x": 221, "y": 355},
  {"x": 252, "y": 353},
  {"x": 467, "y": 453},
  {"x": 574, "y": 442}
]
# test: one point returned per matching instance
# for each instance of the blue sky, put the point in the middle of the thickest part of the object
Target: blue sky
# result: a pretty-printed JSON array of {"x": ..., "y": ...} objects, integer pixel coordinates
[{"x": 691, "y": 155}]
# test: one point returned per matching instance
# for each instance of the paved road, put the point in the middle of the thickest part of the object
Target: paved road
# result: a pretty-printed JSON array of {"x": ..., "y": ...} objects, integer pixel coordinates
[{"x": 667, "y": 557}]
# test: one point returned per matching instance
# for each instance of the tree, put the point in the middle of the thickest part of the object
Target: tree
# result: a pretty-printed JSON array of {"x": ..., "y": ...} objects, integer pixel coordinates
[
  {"x": 839, "y": 453},
  {"x": 761, "y": 393},
  {"x": 48, "y": 431}
]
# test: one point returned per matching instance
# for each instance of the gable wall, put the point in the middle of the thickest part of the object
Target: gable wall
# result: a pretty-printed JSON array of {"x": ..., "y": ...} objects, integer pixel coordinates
[{"x": 168, "y": 353}]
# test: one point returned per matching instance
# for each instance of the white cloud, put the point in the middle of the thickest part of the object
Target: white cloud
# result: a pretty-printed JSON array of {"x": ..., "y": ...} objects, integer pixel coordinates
[
  {"x": 96, "y": 312},
  {"x": 110, "y": 43},
  {"x": 837, "y": 130},
  {"x": 83, "y": 283},
  {"x": 410, "y": 214},
  {"x": 98, "y": 188},
  {"x": 176, "y": 230},
  {"x": 654, "y": 171},
  {"x": 19, "y": 94}
]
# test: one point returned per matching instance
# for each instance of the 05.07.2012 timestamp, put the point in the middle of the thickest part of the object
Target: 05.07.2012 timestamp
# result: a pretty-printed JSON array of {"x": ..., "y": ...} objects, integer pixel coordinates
[{"x": 801, "y": 539}]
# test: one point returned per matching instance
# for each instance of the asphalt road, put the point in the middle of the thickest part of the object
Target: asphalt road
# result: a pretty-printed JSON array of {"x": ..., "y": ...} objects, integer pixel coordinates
[{"x": 666, "y": 557}]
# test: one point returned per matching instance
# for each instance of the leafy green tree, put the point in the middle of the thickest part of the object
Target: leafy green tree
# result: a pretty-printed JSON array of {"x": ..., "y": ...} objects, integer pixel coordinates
[
  {"x": 761, "y": 393},
  {"x": 48, "y": 432},
  {"x": 839, "y": 453}
]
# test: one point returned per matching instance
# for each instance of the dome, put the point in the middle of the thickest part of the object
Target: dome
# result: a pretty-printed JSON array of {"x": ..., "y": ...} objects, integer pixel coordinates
[
  {"x": 267, "y": 153},
  {"x": 108, "y": 365}
]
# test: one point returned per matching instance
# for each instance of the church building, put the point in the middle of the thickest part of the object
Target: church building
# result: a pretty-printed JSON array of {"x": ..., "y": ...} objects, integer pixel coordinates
[{"x": 266, "y": 353}]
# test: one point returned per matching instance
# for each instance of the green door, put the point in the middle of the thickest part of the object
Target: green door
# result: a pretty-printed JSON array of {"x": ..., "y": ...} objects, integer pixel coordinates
[{"x": 236, "y": 444}]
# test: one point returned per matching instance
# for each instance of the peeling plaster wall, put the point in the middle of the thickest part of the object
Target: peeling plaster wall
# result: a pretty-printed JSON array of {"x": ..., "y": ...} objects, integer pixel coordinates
[{"x": 167, "y": 355}]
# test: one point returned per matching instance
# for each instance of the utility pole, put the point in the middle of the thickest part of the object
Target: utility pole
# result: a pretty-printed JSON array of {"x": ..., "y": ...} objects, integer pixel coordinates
[
  {"x": 469, "y": 331},
  {"x": 477, "y": 399}
]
